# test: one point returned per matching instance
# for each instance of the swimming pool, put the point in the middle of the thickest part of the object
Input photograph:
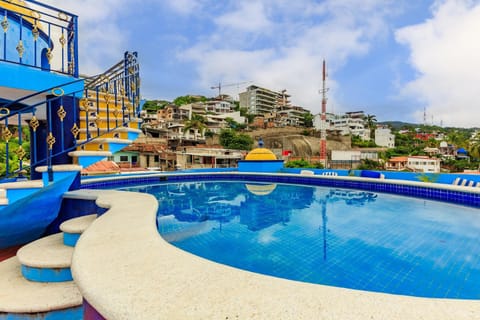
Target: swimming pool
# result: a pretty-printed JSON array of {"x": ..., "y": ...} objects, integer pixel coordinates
[{"x": 338, "y": 237}]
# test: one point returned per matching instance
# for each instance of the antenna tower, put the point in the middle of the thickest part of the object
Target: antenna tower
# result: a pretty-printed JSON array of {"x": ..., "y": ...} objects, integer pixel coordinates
[{"x": 323, "y": 119}]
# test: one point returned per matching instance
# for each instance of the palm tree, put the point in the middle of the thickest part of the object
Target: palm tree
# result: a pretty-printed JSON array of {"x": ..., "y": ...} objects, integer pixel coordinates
[
  {"x": 456, "y": 138},
  {"x": 196, "y": 122},
  {"x": 371, "y": 122},
  {"x": 474, "y": 146}
]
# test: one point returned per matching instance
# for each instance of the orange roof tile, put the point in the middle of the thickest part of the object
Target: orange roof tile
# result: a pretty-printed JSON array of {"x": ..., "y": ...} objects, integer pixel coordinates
[{"x": 102, "y": 167}]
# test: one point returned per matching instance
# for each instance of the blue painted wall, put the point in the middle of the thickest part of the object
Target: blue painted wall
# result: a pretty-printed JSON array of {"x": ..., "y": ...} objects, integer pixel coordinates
[
  {"x": 30, "y": 79},
  {"x": 260, "y": 165},
  {"x": 32, "y": 49},
  {"x": 27, "y": 219}
]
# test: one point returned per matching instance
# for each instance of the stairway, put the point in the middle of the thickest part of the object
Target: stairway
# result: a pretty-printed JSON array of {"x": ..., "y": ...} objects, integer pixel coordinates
[
  {"x": 37, "y": 282},
  {"x": 108, "y": 123},
  {"x": 77, "y": 123}
]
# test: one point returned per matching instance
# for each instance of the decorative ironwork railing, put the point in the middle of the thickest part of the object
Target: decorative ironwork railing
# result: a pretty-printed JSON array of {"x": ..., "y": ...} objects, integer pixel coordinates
[
  {"x": 121, "y": 79},
  {"x": 41, "y": 128},
  {"x": 39, "y": 36}
]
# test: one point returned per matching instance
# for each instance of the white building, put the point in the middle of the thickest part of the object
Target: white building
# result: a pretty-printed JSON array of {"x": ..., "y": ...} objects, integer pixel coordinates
[
  {"x": 384, "y": 138},
  {"x": 260, "y": 100},
  {"x": 423, "y": 164},
  {"x": 196, "y": 158},
  {"x": 349, "y": 123},
  {"x": 218, "y": 106},
  {"x": 189, "y": 109},
  {"x": 414, "y": 163},
  {"x": 216, "y": 122},
  {"x": 351, "y": 158}
]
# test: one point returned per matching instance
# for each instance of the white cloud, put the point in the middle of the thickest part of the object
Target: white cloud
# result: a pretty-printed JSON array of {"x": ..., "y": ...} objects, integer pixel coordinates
[
  {"x": 287, "y": 50},
  {"x": 102, "y": 40},
  {"x": 445, "y": 52},
  {"x": 184, "y": 7},
  {"x": 248, "y": 17}
]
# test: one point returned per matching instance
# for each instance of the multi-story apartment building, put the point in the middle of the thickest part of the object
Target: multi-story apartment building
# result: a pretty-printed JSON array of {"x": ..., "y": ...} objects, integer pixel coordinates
[
  {"x": 292, "y": 116},
  {"x": 384, "y": 137},
  {"x": 188, "y": 110},
  {"x": 259, "y": 100},
  {"x": 169, "y": 113},
  {"x": 218, "y": 106},
  {"x": 349, "y": 123}
]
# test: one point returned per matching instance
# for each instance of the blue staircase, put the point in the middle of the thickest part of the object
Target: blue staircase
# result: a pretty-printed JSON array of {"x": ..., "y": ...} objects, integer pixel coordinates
[{"x": 54, "y": 122}]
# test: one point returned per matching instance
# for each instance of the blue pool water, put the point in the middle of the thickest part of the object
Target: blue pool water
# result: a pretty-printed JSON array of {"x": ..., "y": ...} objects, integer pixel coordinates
[{"x": 337, "y": 237}]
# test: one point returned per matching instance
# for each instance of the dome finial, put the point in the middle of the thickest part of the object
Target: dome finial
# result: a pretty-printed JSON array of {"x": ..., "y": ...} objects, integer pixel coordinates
[{"x": 260, "y": 142}]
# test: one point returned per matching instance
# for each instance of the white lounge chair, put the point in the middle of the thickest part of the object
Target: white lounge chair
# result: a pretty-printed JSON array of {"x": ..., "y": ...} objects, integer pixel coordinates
[{"x": 307, "y": 172}]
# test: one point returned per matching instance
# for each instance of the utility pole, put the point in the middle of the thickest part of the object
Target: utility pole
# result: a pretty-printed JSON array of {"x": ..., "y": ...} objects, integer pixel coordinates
[{"x": 323, "y": 120}]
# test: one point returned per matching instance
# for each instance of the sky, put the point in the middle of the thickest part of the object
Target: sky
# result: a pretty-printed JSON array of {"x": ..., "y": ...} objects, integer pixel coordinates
[{"x": 400, "y": 60}]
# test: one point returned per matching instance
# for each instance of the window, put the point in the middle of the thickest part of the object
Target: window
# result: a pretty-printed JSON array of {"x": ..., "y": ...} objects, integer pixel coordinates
[{"x": 123, "y": 158}]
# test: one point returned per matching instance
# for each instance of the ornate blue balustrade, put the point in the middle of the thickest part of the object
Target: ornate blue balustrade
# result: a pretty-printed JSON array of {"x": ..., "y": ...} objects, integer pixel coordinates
[
  {"x": 40, "y": 36},
  {"x": 41, "y": 128}
]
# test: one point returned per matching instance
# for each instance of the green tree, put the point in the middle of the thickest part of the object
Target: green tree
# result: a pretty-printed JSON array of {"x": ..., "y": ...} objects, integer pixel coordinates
[
  {"x": 182, "y": 100},
  {"x": 358, "y": 142},
  {"x": 13, "y": 161},
  {"x": 231, "y": 123},
  {"x": 308, "y": 120},
  {"x": 229, "y": 139},
  {"x": 302, "y": 163},
  {"x": 474, "y": 146},
  {"x": 368, "y": 164},
  {"x": 371, "y": 122},
  {"x": 458, "y": 138},
  {"x": 152, "y": 106},
  {"x": 197, "y": 122}
]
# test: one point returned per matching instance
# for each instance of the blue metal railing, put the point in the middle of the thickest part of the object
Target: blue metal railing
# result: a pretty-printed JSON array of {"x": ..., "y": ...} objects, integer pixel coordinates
[
  {"x": 43, "y": 132},
  {"x": 39, "y": 36}
]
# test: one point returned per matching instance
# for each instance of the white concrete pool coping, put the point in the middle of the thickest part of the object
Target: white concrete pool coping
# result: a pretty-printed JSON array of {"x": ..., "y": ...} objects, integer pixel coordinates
[{"x": 125, "y": 270}]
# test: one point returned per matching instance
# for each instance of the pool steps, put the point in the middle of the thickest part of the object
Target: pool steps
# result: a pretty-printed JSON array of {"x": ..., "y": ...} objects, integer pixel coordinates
[
  {"x": 46, "y": 259},
  {"x": 37, "y": 282},
  {"x": 73, "y": 228}
]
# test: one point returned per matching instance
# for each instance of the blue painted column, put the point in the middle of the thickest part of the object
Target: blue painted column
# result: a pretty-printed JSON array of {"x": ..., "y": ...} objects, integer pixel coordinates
[
  {"x": 64, "y": 140},
  {"x": 38, "y": 148}
]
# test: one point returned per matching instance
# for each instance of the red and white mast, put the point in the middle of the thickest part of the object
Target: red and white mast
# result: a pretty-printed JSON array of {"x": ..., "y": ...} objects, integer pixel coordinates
[{"x": 323, "y": 120}]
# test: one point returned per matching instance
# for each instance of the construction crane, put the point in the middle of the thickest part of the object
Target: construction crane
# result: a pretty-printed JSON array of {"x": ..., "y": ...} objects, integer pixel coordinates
[{"x": 220, "y": 86}]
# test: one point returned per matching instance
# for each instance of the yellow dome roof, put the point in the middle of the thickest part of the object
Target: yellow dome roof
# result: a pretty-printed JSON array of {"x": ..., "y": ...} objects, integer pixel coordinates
[
  {"x": 260, "y": 154},
  {"x": 261, "y": 190}
]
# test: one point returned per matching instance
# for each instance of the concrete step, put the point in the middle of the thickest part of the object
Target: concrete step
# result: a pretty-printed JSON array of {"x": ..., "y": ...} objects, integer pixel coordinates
[
  {"x": 73, "y": 228},
  {"x": 104, "y": 144},
  {"x": 3, "y": 197},
  {"x": 86, "y": 158},
  {"x": 23, "y": 299},
  {"x": 111, "y": 112},
  {"x": 46, "y": 259},
  {"x": 14, "y": 191}
]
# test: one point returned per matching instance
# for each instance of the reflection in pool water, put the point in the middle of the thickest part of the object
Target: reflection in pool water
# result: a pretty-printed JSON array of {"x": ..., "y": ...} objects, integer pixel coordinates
[{"x": 346, "y": 238}]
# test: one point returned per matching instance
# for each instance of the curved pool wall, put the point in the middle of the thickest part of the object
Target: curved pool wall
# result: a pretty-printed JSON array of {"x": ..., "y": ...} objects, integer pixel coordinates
[
  {"x": 441, "y": 178},
  {"x": 444, "y": 178},
  {"x": 434, "y": 191},
  {"x": 125, "y": 270}
]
